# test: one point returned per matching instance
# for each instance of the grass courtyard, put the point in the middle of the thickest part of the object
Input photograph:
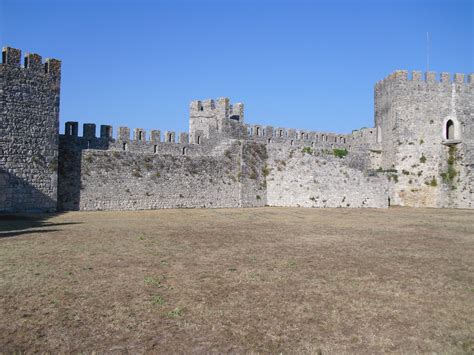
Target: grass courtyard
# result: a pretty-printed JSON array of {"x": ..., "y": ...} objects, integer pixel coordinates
[{"x": 262, "y": 280}]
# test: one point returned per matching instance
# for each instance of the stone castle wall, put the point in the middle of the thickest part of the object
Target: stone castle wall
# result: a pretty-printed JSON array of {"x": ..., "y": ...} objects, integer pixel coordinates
[
  {"x": 316, "y": 178},
  {"x": 409, "y": 158},
  {"x": 29, "y": 122},
  {"x": 102, "y": 173}
]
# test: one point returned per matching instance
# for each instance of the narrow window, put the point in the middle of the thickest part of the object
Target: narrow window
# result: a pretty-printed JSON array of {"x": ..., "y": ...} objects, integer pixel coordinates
[
  {"x": 140, "y": 135},
  {"x": 169, "y": 137},
  {"x": 184, "y": 150},
  {"x": 291, "y": 142},
  {"x": 88, "y": 144},
  {"x": 450, "y": 129},
  {"x": 4, "y": 57},
  {"x": 26, "y": 62},
  {"x": 281, "y": 133},
  {"x": 198, "y": 139},
  {"x": 155, "y": 148},
  {"x": 269, "y": 140},
  {"x": 124, "y": 146},
  {"x": 202, "y": 108},
  {"x": 46, "y": 67},
  {"x": 258, "y": 131}
]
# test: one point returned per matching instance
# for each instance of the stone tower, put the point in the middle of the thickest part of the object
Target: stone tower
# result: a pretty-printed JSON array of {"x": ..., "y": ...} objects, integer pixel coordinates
[
  {"x": 425, "y": 126},
  {"x": 29, "y": 123},
  {"x": 218, "y": 119}
]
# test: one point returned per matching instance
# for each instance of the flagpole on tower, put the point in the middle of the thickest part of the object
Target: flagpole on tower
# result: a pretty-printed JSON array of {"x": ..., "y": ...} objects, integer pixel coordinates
[{"x": 427, "y": 51}]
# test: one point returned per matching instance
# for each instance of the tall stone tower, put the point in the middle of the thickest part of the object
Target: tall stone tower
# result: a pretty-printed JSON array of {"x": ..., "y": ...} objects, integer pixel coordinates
[
  {"x": 425, "y": 126},
  {"x": 29, "y": 132}
]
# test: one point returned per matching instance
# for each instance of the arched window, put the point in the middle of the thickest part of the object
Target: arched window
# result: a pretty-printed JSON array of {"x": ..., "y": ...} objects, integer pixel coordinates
[
  {"x": 258, "y": 131},
  {"x": 184, "y": 150},
  {"x": 269, "y": 140},
  {"x": 450, "y": 129},
  {"x": 198, "y": 140}
]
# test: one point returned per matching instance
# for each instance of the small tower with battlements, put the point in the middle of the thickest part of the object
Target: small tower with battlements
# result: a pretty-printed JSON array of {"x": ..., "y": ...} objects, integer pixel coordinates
[{"x": 215, "y": 119}]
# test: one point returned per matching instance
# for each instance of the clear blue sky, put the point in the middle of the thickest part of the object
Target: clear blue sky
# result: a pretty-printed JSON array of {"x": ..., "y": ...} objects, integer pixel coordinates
[{"x": 300, "y": 64}]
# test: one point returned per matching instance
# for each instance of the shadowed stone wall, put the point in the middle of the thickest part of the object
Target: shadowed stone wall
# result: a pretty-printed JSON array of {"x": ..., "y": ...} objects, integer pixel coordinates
[{"x": 29, "y": 122}]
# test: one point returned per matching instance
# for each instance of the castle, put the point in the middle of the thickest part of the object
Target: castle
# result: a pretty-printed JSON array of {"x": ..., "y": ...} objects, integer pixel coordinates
[{"x": 420, "y": 152}]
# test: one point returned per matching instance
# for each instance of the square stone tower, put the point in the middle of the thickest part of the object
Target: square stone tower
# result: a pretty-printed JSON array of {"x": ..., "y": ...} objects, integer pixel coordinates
[
  {"x": 425, "y": 126},
  {"x": 29, "y": 132}
]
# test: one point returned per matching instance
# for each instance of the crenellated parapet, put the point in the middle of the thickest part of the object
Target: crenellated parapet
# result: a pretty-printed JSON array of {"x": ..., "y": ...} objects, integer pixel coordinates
[
  {"x": 136, "y": 140},
  {"x": 428, "y": 79},
  {"x": 32, "y": 63},
  {"x": 299, "y": 137},
  {"x": 221, "y": 108}
]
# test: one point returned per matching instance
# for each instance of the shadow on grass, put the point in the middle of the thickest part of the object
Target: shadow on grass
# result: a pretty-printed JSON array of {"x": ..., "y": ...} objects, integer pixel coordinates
[{"x": 12, "y": 225}]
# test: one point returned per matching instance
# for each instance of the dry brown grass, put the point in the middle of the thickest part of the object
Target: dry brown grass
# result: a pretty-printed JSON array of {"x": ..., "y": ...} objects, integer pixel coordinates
[{"x": 239, "y": 280}]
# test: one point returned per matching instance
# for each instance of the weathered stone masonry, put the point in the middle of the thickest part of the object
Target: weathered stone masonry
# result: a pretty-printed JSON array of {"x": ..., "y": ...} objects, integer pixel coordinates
[
  {"x": 29, "y": 132},
  {"x": 420, "y": 152}
]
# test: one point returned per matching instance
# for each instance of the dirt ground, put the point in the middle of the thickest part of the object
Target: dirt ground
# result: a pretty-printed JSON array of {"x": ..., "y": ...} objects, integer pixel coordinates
[{"x": 239, "y": 280}]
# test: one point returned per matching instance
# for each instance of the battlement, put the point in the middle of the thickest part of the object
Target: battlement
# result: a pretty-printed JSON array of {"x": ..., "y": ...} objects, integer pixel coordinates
[
  {"x": 299, "y": 137},
  {"x": 31, "y": 62},
  {"x": 123, "y": 134},
  {"x": 220, "y": 107},
  {"x": 427, "y": 77}
]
